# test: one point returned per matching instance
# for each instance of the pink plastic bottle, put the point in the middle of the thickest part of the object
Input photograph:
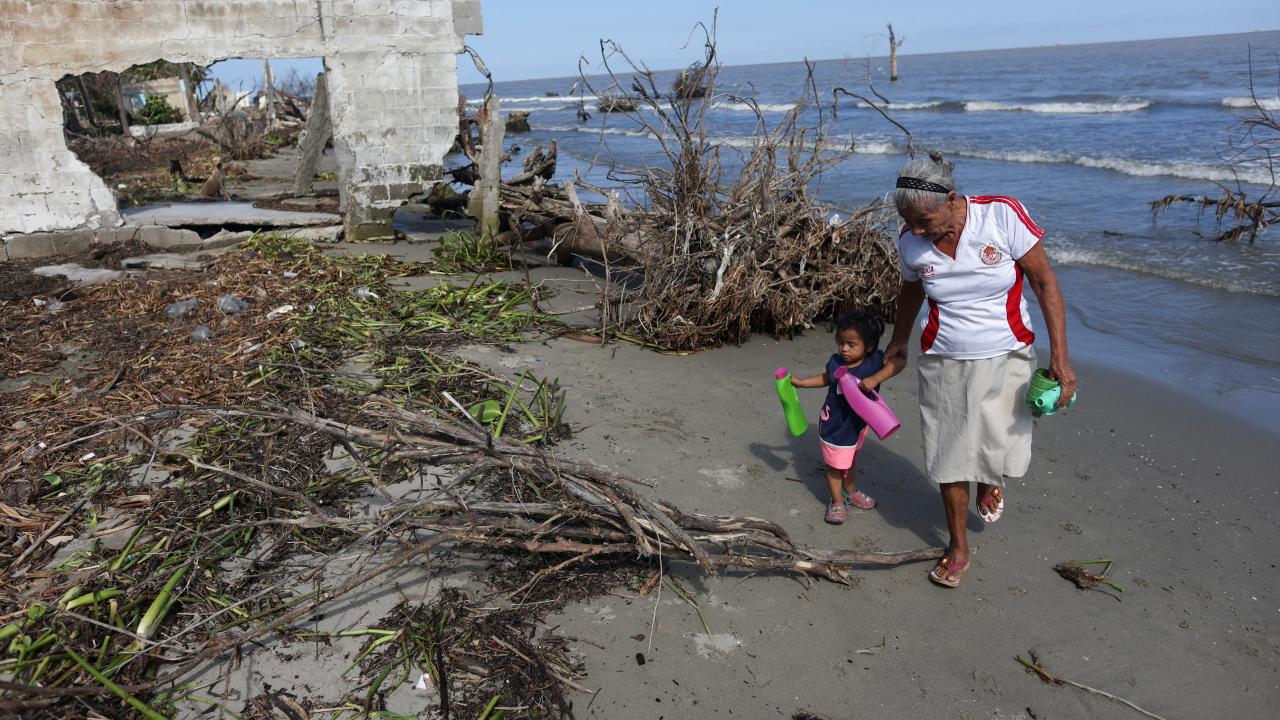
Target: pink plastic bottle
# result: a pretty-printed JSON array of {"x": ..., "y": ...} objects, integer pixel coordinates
[{"x": 867, "y": 404}]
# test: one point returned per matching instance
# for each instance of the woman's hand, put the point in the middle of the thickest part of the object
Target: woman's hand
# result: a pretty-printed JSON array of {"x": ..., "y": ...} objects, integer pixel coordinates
[
  {"x": 1061, "y": 371},
  {"x": 1044, "y": 283},
  {"x": 910, "y": 298},
  {"x": 895, "y": 356}
]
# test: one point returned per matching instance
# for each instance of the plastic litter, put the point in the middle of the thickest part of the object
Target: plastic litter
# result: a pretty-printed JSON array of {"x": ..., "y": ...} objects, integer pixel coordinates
[
  {"x": 173, "y": 311},
  {"x": 202, "y": 333},
  {"x": 297, "y": 344},
  {"x": 364, "y": 293},
  {"x": 230, "y": 305},
  {"x": 289, "y": 274},
  {"x": 282, "y": 310},
  {"x": 426, "y": 684}
]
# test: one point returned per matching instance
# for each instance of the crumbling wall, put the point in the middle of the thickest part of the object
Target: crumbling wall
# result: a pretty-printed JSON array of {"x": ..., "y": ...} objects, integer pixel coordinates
[{"x": 393, "y": 80}]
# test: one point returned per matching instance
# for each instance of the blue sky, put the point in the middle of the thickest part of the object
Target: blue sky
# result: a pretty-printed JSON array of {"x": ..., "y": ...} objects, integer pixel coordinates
[{"x": 524, "y": 39}]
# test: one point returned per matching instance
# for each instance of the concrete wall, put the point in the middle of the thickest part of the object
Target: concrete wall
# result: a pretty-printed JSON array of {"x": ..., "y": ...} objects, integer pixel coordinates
[{"x": 392, "y": 82}]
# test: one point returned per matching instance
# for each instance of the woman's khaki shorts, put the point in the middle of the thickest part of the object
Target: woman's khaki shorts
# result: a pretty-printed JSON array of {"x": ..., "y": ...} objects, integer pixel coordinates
[{"x": 976, "y": 427}]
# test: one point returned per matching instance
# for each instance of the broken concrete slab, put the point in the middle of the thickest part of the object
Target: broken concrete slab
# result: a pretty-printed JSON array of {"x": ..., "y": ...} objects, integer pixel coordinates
[
  {"x": 218, "y": 214},
  {"x": 326, "y": 233},
  {"x": 165, "y": 261},
  {"x": 164, "y": 130},
  {"x": 79, "y": 274},
  {"x": 44, "y": 244}
]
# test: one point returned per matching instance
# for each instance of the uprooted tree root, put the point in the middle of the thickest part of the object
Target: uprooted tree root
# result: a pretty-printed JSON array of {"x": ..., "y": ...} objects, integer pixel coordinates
[
  {"x": 722, "y": 240},
  {"x": 1252, "y": 144}
]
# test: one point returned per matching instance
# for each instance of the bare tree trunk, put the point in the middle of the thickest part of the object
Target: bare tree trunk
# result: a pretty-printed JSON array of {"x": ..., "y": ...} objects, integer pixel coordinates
[
  {"x": 319, "y": 128},
  {"x": 124, "y": 115},
  {"x": 89, "y": 114},
  {"x": 271, "y": 93},
  {"x": 893, "y": 55},
  {"x": 483, "y": 204},
  {"x": 193, "y": 106}
]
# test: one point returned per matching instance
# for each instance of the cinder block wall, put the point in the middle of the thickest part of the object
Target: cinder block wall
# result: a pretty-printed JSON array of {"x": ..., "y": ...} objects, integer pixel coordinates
[{"x": 392, "y": 82}]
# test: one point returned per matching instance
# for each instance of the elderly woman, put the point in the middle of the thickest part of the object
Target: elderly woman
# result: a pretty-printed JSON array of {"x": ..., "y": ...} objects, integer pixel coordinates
[{"x": 967, "y": 255}]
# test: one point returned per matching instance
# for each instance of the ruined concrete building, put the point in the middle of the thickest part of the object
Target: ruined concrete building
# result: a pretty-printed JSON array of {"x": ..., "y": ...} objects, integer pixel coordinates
[{"x": 392, "y": 76}]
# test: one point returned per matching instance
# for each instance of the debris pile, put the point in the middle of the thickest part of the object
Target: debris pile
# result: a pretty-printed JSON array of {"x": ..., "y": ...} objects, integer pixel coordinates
[
  {"x": 723, "y": 241},
  {"x": 170, "y": 505}
]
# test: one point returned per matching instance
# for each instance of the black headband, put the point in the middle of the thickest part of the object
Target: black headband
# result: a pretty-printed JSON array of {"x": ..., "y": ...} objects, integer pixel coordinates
[{"x": 911, "y": 183}]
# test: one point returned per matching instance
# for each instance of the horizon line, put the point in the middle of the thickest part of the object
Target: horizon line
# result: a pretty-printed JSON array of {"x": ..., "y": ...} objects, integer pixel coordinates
[{"x": 902, "y": 55}]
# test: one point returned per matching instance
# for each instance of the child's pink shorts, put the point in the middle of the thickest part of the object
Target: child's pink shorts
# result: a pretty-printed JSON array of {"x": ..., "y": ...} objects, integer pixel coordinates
[{"x": 839, "y": 457}]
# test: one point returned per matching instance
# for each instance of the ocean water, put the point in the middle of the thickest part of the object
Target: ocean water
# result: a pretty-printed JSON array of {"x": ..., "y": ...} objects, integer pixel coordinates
[{"x": 1086, "y": 136}]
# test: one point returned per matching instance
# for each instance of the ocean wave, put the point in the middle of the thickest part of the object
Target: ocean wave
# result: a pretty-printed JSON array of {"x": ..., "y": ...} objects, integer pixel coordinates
[
  {"x": 1190, "y": 170},
  {"x": 738, "y": 106},
  {"x": 876, "y": 147},
  {"x": 1139, "y": 168},
  {"x": 1081, "y": 108},
  {"x": 934, "y": 105},
  {"x": 1247, "y": 102},
  {"x": 1257, "y": 175},
  {"x": 542, "y": 99},
  {"x": 1077, "y": 255}
]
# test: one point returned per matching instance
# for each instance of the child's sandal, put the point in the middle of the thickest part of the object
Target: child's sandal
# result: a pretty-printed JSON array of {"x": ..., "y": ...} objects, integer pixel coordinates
[
  {"x": 836, "y": 513},
  {"x": 859, "y": 499}
]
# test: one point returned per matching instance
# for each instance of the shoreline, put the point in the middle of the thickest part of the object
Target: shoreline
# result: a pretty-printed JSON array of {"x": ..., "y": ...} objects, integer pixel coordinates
[{"x": 1175, "y": 495}]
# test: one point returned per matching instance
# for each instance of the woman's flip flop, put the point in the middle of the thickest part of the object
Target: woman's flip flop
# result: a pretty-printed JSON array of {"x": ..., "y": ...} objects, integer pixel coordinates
[
  {"x": 990, "y": 516},
  {"x": 943, "y": 575}
]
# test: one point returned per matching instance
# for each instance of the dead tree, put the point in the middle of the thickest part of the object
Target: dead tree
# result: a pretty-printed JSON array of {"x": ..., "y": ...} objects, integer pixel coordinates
[
  {"x": 193, "y": 105},
  {"x": 269, "y": 90},
  {"x": 483, "y": 205},
  {"x": 120, "y": 107},
  {"x": 319, "y": 130},
  {"x": 1252, "y": 153},
  {"x": 894, "y": 44}
]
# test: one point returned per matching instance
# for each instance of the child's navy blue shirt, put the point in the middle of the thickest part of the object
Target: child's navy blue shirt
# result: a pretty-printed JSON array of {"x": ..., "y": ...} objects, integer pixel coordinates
[{"x": 839, "y": 424}]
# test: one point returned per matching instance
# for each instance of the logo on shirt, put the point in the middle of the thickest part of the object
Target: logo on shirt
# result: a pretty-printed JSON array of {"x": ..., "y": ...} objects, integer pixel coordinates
[
  {"x": 925, "y": 271},
  {"x": 990, "y": 255}
]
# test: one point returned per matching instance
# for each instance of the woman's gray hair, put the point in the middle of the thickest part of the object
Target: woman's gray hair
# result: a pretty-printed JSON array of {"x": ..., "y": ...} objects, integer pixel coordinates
[{"x": 931, "y": 169}]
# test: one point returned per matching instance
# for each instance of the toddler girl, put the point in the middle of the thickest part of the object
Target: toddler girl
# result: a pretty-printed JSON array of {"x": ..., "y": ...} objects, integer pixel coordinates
[{"x": 841, "y": 431}]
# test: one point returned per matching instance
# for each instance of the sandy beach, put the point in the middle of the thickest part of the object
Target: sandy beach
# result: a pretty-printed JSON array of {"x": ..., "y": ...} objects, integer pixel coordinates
[{"x": 1180, "y": 496}]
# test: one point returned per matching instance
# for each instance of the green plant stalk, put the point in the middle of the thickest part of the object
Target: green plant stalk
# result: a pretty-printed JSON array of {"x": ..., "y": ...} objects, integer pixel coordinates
[
  {"x": 688, "y": 601},
  {"x": 159, "y": 606},
  {"x": 94, "y": 598},
  {"x": 493, "y": 702},
  {"x": 70, "y": 595},
  {"x": 377, "y": 684},
  {"x": 137, "y": 534},
  {"x": 372, "y": 646},
  {"x": 511, "y": 396},
  {"x": 222, "y": 502},
  {"x": 119, "y": 692}
]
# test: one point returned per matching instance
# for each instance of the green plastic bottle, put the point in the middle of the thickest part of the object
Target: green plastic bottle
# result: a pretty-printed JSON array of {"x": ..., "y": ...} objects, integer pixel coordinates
[{"x": 796, "y": 421}]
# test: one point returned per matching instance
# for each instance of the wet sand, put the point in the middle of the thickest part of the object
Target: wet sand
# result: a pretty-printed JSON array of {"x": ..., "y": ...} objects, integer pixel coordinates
[{"x": 1181, "y": 497}]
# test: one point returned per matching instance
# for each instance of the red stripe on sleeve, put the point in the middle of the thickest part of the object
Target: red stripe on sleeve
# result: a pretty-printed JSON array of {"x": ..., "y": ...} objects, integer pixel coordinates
[
  {"x": 1018, "y": 210},
  {"x": 1013, "y": 309}
]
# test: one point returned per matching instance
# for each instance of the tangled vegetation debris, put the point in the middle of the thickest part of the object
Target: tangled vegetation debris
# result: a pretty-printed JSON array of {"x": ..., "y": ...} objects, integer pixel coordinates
[{"x": 169, "y": 504}]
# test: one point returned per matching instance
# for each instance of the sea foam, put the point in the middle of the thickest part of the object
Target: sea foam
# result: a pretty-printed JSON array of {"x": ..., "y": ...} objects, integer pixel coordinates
[
  {"x": 1074, "y": 108},
  {"x": 1247, "y": 102}
]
